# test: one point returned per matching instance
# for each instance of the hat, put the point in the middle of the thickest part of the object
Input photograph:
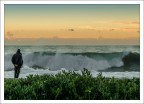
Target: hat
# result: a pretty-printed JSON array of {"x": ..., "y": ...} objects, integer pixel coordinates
[{"x": 18, "y": 51}]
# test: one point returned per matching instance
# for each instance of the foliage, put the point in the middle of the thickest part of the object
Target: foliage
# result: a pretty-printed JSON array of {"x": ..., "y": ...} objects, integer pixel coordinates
[{"x": 71, "y": 86}]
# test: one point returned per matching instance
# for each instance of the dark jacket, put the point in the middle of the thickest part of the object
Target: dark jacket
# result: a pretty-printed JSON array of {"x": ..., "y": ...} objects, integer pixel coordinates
[{"x": 17, "y": 59}]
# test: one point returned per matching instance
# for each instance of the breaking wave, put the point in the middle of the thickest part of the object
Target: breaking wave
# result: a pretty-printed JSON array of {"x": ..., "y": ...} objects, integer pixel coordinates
[{"x": 77, "y": 61}]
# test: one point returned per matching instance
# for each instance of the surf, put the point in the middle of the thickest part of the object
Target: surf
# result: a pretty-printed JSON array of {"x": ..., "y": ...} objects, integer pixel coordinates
[{"x": 77, "y": 61}]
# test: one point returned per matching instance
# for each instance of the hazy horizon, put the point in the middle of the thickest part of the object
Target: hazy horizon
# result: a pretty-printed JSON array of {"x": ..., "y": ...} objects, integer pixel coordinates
[{"x": 55, "y": 41}]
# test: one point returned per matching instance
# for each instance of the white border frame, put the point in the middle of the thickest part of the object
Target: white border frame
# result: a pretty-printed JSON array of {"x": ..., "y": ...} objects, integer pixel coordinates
[{"x": 72, "y": 101}]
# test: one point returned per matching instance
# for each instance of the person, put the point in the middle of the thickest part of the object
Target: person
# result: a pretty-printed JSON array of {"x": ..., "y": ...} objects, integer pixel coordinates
[{"x": 17, "y": 62}]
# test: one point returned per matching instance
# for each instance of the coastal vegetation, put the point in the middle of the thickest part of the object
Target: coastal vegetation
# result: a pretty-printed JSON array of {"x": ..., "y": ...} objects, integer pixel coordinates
[{"x": 71, "y": 86}]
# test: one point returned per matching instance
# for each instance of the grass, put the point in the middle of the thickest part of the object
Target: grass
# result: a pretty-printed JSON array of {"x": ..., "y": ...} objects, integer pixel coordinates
[{"x": 71, "y": 86}]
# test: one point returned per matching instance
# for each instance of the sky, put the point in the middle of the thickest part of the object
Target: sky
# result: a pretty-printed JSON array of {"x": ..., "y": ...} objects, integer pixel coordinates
[{"x": 72, "y": 24}]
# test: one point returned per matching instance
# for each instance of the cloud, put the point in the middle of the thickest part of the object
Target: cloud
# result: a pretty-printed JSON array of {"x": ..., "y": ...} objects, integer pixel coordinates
[
  {"x": 112, "y": 29},
  {"x": 99, "y": 29},
  {"x": 55, "y": 37},
  {"x": 135, "y": 22},
  {"x": 127, "y": 22},
  {"x": 71, "y": 30},
  {"x": 132, "y": 28},
  {"x": 9, "y": 36},
  {"x": 87, "y": 27}
]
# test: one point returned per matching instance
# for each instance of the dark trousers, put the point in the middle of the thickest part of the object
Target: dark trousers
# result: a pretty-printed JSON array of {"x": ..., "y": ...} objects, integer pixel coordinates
[{"x": 16, "y": 72}]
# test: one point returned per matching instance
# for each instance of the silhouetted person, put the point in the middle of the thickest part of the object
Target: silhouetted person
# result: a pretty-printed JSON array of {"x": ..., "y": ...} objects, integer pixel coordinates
[{"x": 17, "y": 62}]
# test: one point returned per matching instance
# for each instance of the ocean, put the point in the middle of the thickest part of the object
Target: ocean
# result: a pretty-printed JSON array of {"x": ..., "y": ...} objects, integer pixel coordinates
[{"x": 112, "y": 61}]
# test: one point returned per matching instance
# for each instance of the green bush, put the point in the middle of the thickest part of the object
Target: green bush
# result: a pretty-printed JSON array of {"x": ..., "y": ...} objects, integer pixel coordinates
[{"x": 71, "y": 86}]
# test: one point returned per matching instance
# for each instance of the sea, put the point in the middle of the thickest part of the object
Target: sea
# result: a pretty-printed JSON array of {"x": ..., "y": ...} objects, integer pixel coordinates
[{"x": 120, "y": 61}]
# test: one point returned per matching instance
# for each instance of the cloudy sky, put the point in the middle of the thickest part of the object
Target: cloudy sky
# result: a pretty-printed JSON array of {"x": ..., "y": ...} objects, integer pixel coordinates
[{"x": 68, "y": 24}]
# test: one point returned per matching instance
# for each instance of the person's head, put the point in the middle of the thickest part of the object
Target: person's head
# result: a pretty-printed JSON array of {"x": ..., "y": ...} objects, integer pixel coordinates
[{"x": 18, "y": 51}]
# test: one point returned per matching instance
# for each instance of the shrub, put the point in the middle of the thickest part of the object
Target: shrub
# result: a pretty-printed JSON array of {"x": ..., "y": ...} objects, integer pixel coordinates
[{"x": 71, "y": 86}]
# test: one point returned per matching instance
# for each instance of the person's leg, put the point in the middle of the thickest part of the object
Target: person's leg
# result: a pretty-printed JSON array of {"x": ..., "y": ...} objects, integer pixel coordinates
[
  {"x": 18, "y": 72},
  {"x": 15, "y": 72}
]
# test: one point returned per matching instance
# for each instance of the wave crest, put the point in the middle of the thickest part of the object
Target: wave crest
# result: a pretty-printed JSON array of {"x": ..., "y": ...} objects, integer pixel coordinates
[{"x": 76, "y": 61}]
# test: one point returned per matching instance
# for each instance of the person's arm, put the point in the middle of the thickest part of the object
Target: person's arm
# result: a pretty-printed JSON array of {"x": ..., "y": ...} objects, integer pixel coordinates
[
  {"x": 12, "y": 59},
  {"x": 21, "y": 62}
]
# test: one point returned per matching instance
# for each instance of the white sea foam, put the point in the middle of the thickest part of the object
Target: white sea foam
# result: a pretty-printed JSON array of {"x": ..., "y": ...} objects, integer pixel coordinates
[
  {"x": 25, "y": 71},
  {"x": 55, "y": 58},
  {"x": 71, "y": 62}
]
